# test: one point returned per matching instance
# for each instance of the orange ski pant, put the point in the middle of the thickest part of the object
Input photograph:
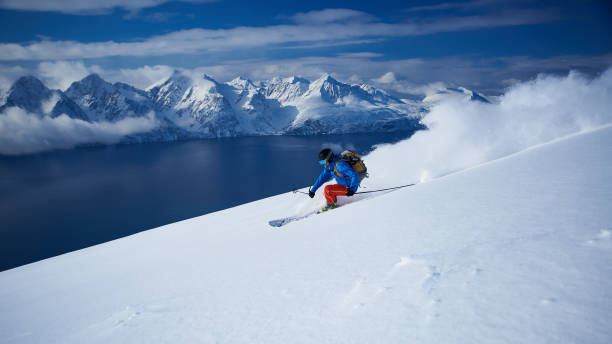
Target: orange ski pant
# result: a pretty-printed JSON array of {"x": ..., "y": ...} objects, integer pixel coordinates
[{"x": 331, "y": 191}]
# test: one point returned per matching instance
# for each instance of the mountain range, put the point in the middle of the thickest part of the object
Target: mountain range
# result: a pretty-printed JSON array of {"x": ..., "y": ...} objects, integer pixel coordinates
[{"x": 200, "y": 107}]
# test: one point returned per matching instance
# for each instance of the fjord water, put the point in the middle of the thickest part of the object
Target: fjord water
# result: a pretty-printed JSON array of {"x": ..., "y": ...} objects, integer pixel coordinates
[{"x": 61, "y": 201}]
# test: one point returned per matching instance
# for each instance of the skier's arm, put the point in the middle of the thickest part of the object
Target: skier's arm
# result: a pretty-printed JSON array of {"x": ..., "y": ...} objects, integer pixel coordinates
[
  {"x": 323, "y": 177},
  {"x": 346, "y": 170}
]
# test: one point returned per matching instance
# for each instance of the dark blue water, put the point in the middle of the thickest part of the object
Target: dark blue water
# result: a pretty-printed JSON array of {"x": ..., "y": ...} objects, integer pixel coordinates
[{"x": 61, "y": 201}]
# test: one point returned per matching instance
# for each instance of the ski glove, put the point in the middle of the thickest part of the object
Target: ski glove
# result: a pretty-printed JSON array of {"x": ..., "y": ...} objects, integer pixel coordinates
[
  {"x": 350, "y": 192},
  {"x": 311, "y": 193}
]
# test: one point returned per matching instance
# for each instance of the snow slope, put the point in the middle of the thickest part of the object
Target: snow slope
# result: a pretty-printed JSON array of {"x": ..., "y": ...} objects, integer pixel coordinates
[{"x": 516, "y": 250}]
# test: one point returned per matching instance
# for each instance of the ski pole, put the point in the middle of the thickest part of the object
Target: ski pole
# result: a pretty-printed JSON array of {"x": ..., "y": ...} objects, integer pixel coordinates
[
  {"x": 363, "y": 192},
  {"x": 298, "y": 191},
  {"x": 393, "y": 188}
]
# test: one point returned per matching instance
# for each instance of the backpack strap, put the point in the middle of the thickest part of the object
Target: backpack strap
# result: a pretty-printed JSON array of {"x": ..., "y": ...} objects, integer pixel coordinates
[{"x": 336, "y": 168}]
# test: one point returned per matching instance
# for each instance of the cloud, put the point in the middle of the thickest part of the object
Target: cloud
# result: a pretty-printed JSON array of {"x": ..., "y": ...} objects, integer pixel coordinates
[
  {"x": 387, "y": 78},
  {"x": 8, "y": 75},
  {"x": 61, "y": 74},
  {"x": 457, "y": 5},
  {"x": 463, "y": 134},
  {"x": 25, "y": 133},
  {"x": 142, "y": 77},
  {"x": 428, "y": 89},
  {"x": 414, "y": 78},
  {"x": 160, "y": 17},
  {"x": 332, "y": 15},
  {"x": 365, "y": 54},
  {"x": 489, "y": 75},
  {"x": 389, "y": 82},
  {"x": 87, "y": 7},
  {"x": 47, "y": 105},
  {"x": 333, "y": 31}
]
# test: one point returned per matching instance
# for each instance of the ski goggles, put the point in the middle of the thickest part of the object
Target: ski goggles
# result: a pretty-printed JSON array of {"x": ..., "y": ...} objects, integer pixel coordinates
[{"x": 322, "y": 162}]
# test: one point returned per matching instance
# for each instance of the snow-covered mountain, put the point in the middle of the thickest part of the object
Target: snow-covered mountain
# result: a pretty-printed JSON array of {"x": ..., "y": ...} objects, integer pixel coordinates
[
  {"x": 190, "y": 106},
  {"x": 286, "y": 90},
  {"x": 516, "y": 250},
  {"x": 280, "y": 106},
  {"x": 329, "y": 106},
  {"x": 195, "y": 105},
  {"x": 30, "y": 94},
  {"x": 103, "y": 101},
  {"x": 256, "y": 112}
]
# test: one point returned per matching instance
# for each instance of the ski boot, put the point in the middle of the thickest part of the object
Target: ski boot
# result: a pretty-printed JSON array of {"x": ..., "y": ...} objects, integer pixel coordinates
[{"x": 328, "y": 207}]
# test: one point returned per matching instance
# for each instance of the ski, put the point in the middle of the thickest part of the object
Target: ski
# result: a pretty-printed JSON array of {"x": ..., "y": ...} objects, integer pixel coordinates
[{"x": 286, "y": 220}]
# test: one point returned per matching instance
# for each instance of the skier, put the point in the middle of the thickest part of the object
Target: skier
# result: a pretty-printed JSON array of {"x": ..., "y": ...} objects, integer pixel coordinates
[{"x": 346, "y": 177}]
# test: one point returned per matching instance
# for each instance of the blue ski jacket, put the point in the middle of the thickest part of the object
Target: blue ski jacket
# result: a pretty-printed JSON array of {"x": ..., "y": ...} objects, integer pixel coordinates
[{"x": 350, "y": 178}]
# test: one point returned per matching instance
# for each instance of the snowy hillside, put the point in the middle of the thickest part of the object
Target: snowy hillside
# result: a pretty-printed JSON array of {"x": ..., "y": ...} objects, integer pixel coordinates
[{"x": 516, "y": 250}]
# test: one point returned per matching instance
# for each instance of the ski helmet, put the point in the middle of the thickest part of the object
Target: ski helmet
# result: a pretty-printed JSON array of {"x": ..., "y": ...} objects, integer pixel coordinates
[{"x": 325, "y": 155}]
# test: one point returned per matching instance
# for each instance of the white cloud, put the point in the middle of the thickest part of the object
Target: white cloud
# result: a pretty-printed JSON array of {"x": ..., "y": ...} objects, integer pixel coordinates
[
  {"x": 365, "y": 54},
  {"x": 83, "y": 6},
  {"x": 24, "y": 133},
  {"x": 413, "y": 77},
  {"x": 331, "y": 15},
  {"x": 47, "y": 105},
  {"x": 457, "y": 5},
  {"x": 160, "y": 17},
  {"x": 60, "y": 74},
  {"x": 143, "y": 77},
  {"x": 428, "y": 89},
  {"x": 335, "y": 30},
  {"x": 8, "y": 75},
  {"x": 463, "y": 133},
  {"x": 387, "y": 78}
]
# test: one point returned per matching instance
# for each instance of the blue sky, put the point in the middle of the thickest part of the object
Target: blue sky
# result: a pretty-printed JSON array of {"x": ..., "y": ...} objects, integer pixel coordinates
[{"x": 402, "y": 46}]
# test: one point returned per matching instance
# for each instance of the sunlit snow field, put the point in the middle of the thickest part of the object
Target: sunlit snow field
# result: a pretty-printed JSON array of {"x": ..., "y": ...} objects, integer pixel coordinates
[{"x": 506, "y": 239}]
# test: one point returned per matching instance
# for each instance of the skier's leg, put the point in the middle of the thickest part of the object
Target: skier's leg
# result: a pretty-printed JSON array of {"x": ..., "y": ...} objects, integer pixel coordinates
[{"x": 331, "y": 191}]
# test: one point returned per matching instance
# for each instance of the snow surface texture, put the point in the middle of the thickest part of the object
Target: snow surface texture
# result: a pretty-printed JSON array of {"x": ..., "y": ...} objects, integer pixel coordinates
[
  {"x": 516, "y": 250},
  {"x": 194, "y": 106}
]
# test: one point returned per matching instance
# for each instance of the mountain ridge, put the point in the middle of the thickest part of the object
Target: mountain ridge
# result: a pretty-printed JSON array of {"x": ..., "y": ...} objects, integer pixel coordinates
[{"x": 190, "y": 106}]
